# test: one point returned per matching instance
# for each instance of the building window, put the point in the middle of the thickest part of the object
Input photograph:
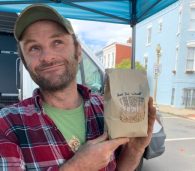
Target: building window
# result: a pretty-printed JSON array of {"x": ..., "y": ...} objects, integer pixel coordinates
[
  {"x": 149, "y": 35},
  {"x": 113, "y": 61},
  {"x": 172, "y": 96},
  {"x": 109, "y": 60},
  {"x": 179, "y": 21},
  {"x": 146, "y": 62},
  {"x": 189, "y": 98},
  {"x": 190, "y": 59},
  {"x": 160, "y": 26},
  {"x": 192, "y": 18},
  {"x": 176, "y": 59},
  {"x": 104, "y": 60}
]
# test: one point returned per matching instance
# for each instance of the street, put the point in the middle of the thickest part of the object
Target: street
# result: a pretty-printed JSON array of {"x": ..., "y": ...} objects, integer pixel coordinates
[{"x": 179, "y": 154}]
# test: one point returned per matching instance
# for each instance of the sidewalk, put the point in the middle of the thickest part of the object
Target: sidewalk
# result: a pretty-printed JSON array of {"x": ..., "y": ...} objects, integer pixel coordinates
[{"x": 187, "y": 113}]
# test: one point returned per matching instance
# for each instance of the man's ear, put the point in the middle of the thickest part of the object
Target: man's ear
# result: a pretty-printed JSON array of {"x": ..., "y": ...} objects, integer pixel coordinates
[{"x": 79, "y": 53}]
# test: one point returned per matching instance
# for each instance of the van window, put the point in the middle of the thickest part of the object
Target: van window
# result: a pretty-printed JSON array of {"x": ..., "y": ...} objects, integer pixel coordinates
[
  {"x": 92, "y": 74},
  {"x": 79, "y": 79}
]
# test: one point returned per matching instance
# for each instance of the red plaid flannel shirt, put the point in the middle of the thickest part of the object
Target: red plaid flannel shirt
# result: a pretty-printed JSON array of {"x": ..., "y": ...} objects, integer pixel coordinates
[{"x": 29, "y": 139}]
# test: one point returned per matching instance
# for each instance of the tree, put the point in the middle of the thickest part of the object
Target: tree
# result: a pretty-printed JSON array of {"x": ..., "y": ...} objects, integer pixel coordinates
[{"x": 126, "y": 63}]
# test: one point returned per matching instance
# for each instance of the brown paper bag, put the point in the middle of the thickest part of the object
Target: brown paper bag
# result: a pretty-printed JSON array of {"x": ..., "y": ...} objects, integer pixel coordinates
[{"x": 126, "y": 103}]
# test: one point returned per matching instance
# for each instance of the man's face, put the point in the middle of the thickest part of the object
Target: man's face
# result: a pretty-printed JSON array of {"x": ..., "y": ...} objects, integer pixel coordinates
[{"x": 50, "y": 55}]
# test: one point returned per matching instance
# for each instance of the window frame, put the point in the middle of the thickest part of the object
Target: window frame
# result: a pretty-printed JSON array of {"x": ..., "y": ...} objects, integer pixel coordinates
[
  {"x": 160, "y": 22},
  {"x": 188, "y": 97},
  {"x": 146, "y": 61},
  {"x": 113, "y": 60},
  {"x": 179, "y": 21},
  {"x": 189, "y": 46},
  {"x": 149, "y": 35},
  {"x": 176, "y": 59},
  {"x": 192, "y": 7}
]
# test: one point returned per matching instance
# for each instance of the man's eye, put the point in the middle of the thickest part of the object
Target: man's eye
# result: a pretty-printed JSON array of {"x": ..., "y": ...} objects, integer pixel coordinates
[
  {"x": 34, "y": 49},
  {"x": 58, "y": 42}
]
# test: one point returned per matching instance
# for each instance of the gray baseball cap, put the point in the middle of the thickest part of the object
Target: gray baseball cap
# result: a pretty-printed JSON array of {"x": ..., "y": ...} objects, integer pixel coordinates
[{"x": 38, "y": 12}]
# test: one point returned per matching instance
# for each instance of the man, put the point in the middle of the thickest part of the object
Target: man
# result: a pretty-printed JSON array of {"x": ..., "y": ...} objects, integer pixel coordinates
[{"x": 61, "y": 126}]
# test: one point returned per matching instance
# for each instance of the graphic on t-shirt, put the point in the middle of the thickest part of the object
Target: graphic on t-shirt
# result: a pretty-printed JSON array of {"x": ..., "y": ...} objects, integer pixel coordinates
[{"x": 74, "y": 143}]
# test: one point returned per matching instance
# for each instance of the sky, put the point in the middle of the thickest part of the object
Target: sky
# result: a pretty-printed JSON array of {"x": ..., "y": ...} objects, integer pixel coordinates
[{"x": 97, "y": 35}]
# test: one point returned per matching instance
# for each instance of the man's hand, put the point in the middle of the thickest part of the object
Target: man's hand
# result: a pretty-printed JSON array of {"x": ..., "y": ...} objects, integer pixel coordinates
[
  {"x": 133, "y": 151},
  {"x": 139, "y": 144},
  {"x": 94, "y": 155}
]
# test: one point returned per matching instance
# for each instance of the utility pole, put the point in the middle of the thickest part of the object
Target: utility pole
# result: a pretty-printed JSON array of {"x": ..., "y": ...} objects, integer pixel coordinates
[{"x": 156, "y": 71}]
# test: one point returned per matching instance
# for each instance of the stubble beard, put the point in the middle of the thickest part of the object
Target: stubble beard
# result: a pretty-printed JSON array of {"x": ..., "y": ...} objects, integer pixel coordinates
[{"x": 61, "y": 81}]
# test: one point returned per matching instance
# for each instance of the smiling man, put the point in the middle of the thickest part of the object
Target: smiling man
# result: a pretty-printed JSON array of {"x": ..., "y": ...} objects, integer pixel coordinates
[{"x": 61, "y": 127}]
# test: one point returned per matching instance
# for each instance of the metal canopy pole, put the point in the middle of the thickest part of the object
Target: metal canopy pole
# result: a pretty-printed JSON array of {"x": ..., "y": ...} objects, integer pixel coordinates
[
  {"x": 133, "y": 47},
  {"x": 133, "y": 24}
]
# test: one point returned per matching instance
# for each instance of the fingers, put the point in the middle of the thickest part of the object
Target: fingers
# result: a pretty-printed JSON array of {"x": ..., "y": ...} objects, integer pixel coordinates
[
  {"x": 151, "y": 116},
  {"x": 101, "y": 138},
  {"x": 115, "y": 143},
  {"x": 111, "y": 144},
  {"x": 151, "y": 108}
]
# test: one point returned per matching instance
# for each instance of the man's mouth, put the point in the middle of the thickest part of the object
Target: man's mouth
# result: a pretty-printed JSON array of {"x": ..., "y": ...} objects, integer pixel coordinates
[{"x": 51, "y": 68}]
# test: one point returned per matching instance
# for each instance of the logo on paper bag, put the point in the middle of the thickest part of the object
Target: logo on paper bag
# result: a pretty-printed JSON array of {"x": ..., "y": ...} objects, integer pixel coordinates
[{"x": 132, "y": 107}]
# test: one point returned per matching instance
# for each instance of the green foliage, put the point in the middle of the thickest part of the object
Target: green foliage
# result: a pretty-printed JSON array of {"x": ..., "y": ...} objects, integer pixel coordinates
[
  {"x": 126, "y": 63},
  {"x": 139, "y": 66}
]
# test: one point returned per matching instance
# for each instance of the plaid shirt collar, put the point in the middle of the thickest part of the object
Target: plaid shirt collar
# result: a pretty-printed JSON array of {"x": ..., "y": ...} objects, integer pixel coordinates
[{"x": 84, "y": 92}]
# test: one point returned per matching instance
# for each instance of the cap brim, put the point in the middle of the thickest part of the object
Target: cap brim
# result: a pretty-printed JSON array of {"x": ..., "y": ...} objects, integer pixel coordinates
[{"x": 35, "y": 13}]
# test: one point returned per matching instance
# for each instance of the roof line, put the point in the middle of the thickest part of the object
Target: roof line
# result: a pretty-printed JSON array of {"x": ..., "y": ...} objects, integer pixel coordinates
[
  {"x": 145, "y": 12},
  {"x": 70, "y": 3},
  {"x": 95, "y": 11},
  {"x": 23, "y": 2},
  {"x": 92, "y": 0}
]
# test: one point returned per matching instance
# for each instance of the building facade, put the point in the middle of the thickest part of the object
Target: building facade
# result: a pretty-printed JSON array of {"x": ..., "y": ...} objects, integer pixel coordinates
[
  {"x": 165, "y": 45},
  {"x": 114, "y": 54}
]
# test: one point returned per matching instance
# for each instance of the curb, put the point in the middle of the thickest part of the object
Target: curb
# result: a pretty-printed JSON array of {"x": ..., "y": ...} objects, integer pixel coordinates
[{"x": 182, "y": 116}]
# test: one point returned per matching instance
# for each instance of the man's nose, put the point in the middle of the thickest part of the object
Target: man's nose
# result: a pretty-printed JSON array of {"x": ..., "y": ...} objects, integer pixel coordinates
[{"x": 47, "y": 55}]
